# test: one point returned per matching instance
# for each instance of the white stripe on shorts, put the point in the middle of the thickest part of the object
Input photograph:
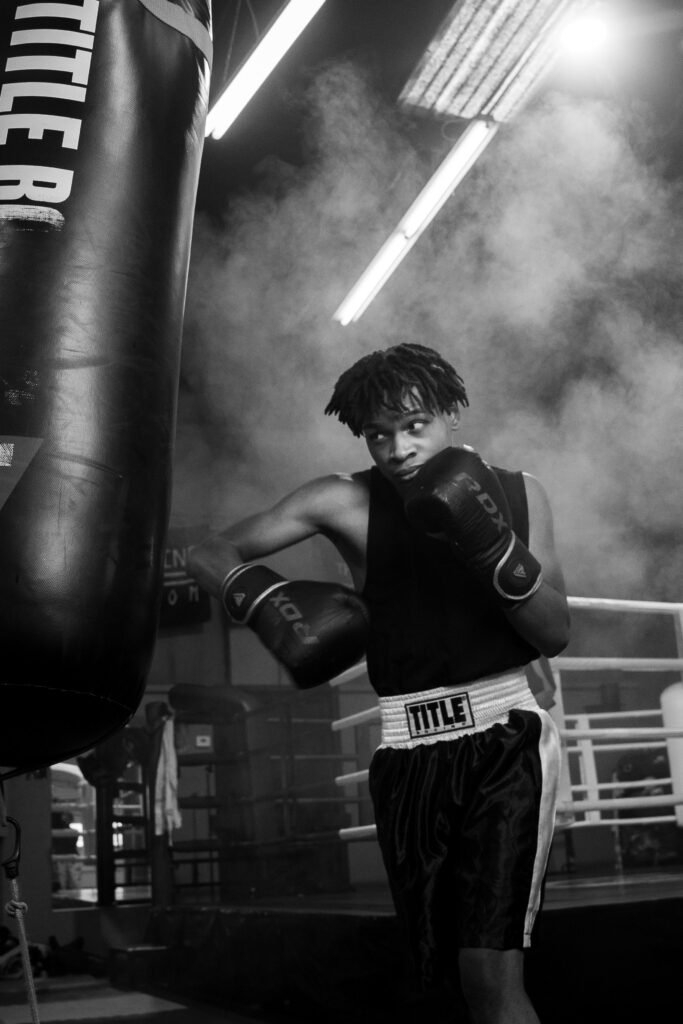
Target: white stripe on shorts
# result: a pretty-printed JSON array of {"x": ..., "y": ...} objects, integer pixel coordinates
[
  {"x": 448, "y": 712},
  {"x": 549, "y": 753}
]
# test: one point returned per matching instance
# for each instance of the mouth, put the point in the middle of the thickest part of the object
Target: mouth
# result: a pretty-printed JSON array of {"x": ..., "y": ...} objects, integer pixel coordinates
[{"x": 407, "y": 474}]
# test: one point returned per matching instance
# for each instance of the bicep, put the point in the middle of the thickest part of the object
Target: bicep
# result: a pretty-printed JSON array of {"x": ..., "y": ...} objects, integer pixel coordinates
[
  {"x": 542, "y": 534},
  {"x": 286, "y": 523},
  {"x": 293, "y": 519}
]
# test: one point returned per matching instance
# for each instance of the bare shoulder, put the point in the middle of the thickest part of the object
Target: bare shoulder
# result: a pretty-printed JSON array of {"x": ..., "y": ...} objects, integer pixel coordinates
[
  {"x": 345, "y": 485},
  {"x": 537, "y": 497},
  {"x": 331, "y": 499},
  {"x": 337, "y": 506},
  {"x": 353, "y": 486}
]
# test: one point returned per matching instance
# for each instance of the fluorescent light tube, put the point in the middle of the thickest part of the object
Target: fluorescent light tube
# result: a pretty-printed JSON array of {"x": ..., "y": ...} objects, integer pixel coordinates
[
  {"x": 373, "y": 278},
  {"x": 450, "y": 173},
  {"x": 440, "y": 186},
  {"x": 283, "y": 32}
]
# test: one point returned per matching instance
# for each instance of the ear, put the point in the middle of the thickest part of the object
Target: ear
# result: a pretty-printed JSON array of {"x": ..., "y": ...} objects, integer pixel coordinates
[{"x": 454, "y": 417}]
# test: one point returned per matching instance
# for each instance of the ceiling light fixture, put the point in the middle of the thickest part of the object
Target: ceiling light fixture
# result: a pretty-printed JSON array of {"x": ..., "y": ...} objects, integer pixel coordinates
[
  {"x": 481, "y": 67},
  {"x": 270, "y": 50},
  {"x": 488, "y": 55}
]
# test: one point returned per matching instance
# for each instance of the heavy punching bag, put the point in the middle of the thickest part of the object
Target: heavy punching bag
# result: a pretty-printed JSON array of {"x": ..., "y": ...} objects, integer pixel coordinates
[{"x": 102, "y": 111}]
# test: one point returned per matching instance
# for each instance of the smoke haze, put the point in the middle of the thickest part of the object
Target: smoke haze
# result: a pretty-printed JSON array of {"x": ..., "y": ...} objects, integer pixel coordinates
[{"x": 551, "y": 279}]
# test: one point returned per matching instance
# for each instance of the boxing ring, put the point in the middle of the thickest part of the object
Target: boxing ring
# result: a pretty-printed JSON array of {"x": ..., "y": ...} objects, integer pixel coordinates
[{"x": 607, "y": 949}]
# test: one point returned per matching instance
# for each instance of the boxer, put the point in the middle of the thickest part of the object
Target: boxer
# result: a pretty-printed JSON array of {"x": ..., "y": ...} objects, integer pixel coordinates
[{"x": 457, "y": 587}]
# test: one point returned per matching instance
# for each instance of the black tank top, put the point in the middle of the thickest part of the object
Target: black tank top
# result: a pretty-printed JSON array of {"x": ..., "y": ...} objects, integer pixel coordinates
[{"x": 430, "y": 622}]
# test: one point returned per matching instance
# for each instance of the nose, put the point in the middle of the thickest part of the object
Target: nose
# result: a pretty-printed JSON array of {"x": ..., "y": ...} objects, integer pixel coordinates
[{"x": 402, "y": 447}]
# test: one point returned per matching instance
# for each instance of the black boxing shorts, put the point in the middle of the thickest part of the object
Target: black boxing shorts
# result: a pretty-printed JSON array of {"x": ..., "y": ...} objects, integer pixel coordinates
[{"x": 464, "y": 786}]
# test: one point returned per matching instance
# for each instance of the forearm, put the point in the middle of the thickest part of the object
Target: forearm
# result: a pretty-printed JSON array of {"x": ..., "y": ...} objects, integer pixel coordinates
[
  {"x": 543, "y": 620},
  {"x": 211, "y": 561}
]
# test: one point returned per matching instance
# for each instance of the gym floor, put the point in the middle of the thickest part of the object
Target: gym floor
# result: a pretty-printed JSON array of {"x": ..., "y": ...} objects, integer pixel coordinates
[
  {"x": 606, "y": 952},
  {"x": 75, "y": 1000}
]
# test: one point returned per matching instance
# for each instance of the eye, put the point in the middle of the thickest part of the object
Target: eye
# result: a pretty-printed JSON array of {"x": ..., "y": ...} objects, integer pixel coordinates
[{"x": 417, "y": 425}]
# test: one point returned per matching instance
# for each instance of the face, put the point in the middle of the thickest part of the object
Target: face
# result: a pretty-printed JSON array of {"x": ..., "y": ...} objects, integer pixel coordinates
[{"x": 400, "y": 443}]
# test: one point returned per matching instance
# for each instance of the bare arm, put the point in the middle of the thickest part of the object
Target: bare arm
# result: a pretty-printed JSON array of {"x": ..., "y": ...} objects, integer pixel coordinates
[
  {"x": 543, "y": 620},
  {"x": 306, "y": 511}
]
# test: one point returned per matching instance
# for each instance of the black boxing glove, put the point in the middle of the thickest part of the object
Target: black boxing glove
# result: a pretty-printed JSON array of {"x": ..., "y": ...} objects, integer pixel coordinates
[
  {"x": 315, "y": 630},
  {"x": 457, "y": 494}
]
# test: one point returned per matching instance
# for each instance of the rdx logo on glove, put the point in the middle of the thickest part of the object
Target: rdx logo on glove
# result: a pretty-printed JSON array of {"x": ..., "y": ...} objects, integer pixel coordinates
[
  {"x": 290, "y": 613},
  {"x": 485, "y": 500}
]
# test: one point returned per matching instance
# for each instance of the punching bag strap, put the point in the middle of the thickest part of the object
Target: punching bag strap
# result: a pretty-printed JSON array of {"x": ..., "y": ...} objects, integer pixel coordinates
[{"x": 171, "y": 14}]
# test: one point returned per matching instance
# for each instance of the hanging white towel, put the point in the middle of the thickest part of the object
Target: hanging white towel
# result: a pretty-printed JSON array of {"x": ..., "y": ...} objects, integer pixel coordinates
[{"x": 166, "y": 813}]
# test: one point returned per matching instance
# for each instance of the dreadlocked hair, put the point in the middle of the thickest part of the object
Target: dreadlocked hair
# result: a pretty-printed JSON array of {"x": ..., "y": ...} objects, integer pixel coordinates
[{"x": 384, "y": 379}]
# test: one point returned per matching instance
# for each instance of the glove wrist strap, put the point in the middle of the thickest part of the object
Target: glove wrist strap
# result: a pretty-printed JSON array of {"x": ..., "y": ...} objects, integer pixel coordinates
[
  {"x": 517, "y": 575},
  {"x": 245, "y": 587}
]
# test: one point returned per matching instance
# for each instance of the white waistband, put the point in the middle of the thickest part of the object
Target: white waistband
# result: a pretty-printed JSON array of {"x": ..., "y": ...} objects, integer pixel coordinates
[{"x": 448, "y": 712}]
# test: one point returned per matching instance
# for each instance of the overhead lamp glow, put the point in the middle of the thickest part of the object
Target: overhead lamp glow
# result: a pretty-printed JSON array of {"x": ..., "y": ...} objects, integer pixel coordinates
[
  {"x": 589, "y": 33},
  {"x": 440, "y": 186},
  {"x": 283, "y": 32}
]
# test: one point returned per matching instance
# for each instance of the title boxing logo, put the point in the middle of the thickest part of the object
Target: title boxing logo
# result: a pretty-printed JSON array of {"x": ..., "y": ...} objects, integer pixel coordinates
[
  {"x": 440, "y": 715},
  {"x": 38, "y": 184}
]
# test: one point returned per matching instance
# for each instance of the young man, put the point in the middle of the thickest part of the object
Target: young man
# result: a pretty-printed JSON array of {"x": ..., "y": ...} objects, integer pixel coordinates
[{"x": 461, "y": 588}]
